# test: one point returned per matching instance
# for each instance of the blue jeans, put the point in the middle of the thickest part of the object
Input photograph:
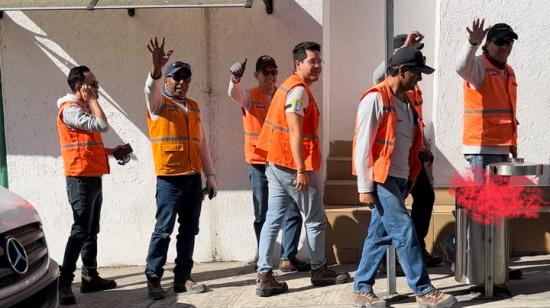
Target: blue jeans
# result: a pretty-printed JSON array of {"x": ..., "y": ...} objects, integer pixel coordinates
[
  {"x": 480, "y": 161},
  {"x": 282, "y": 194},
  {"x": 293, "y": 219},
  {"x": 179, "y": 196},
  {"x": 390, "y": 222},
  {"x": 85, "y": 196}
]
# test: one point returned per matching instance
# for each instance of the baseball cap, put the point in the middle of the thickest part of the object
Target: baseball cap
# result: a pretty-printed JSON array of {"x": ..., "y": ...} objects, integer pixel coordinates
[
  {"x": 263, "y": 61},
  {"x": 411, "y": 57},
  {"x": 400, "y": 39},
  {"x": 175, "y": 67},
  {"x": 499, "y": 31}
]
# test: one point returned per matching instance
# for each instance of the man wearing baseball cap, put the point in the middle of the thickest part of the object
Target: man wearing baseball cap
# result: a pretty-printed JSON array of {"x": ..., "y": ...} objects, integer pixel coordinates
[
  {"x": 181, "y": 155},
  {"x": 490, "y": 92},
  {"x": 254, "y": 104},
  {"x": 388, "y": 137}
]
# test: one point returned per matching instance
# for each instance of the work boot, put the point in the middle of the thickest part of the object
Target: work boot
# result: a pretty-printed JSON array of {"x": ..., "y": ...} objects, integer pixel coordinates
[
  {"x": 436, "y": 299},
  {"x": 367, "y": 300},
  {"x": 294, "y": 265},
  {"x": 430, "y": 260},
  {"x": 66, "y": 296},
  {"x": 154, "y": 288},
  {"x": 189, "y": 286},
  {"x": 95, "y": 283},
  {"x": 267, "y": 285},
  {"x": 324, "y": 277}
]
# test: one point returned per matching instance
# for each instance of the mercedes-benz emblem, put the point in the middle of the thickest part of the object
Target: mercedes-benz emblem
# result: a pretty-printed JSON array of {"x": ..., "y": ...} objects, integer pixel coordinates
[{"x": 17, "y": 256}]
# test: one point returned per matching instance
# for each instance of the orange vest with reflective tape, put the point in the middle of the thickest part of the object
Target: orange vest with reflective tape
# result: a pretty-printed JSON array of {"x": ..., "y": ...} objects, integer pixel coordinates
[
  {"x": 82, "y": 151},
  {"x": 253, "y": 120},
  {"x": 274, "y": 140},
  {"x": 382, "y": 148},
  {"x": 490, "y": 111},
  {"x": 175, "y": 138}
]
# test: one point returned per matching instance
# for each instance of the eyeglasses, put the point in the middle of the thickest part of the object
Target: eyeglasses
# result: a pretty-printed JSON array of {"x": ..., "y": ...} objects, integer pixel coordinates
[
  {"x": 178, "y": 78},
  {"x": 502, "y": 42},
  {"x": 316, "y": 61},
  {"x": 270, "y": 72}
]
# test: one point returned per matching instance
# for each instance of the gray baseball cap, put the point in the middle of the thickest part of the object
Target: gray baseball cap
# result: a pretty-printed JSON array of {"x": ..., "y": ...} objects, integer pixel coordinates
[{"x": 175, "y": 67}]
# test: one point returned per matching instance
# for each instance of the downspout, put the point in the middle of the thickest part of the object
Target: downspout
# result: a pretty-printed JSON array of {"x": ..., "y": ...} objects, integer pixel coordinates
[{"x": 3, "y": 160}]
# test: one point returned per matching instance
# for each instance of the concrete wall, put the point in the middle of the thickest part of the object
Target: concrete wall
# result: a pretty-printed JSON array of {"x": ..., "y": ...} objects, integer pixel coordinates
[
  {"x": 528, "y": 58},
  {"x": 38, "y": 49}
]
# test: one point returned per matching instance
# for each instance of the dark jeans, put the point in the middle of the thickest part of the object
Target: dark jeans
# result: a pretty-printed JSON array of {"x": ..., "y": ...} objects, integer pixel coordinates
[
  {"x": 422, "y": 206},
  {"x": 85, "y": 197},
  {"x": 179, "y": 196},
  {"x": 293, "y": 218}
]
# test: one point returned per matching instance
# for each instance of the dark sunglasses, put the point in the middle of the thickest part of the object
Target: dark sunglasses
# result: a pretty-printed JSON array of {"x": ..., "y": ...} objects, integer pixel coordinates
[
  {"x": 178, "y": 78},
  {"x": 268, "y": 72},
  {"x": 502, "y": 42}
]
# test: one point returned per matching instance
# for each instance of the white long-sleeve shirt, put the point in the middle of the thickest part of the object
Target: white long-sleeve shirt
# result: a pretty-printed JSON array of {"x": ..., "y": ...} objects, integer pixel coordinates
[
  {"x": 471, "y": 68},
  {"x": 369, "y": 116},
  {"x": 153, "y": 100}
]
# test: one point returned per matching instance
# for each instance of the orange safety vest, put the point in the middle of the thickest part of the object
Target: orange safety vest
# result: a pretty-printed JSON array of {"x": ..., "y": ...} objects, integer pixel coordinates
[
  {"x": 274, "y": 141},
  {"x": 82, "y": 151},
  {"x": 175, "y": 138},
  {"x": 253, "y": 120},
  {"x": 490, "y": 111},
  {"x": 384, "y": 141}
]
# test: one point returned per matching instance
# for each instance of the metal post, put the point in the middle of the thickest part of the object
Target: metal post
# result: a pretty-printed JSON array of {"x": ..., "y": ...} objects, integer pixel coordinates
[
  {"x": 3, "y": 161},
  {"x": 388, "y": 48},
  {"x": 489, "y": 260}
]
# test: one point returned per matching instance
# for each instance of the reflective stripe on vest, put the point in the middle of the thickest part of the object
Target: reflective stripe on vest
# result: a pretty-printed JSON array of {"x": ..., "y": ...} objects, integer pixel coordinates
[
  {"x": 490, "y": 111},
  {"x": 274, "y": 140},
  {"x": 384, "y": 141},
  {"x": 82, "y": 151},
  {"x": 175, "y": 138},
  {"x": 253, "y": 120}
]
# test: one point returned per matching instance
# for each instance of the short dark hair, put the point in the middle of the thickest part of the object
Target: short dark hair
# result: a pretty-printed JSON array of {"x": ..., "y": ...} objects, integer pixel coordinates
[
  {"x": 76, "y": 76},
  {"x": 299, "y": 53}
]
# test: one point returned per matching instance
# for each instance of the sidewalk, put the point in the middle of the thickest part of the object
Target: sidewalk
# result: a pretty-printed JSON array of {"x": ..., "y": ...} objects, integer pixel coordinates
[{"x": 232, "y": 284}]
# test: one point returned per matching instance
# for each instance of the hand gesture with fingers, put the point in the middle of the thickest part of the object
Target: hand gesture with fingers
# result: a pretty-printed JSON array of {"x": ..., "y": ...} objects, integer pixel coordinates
[
  {"x": 88, "y": 93},
  {"x": 237, "y": 70},
  {"x": 477, "y": 33},
  {"x": 413, "y": 39},
  {"x": 158, "y": 56}
]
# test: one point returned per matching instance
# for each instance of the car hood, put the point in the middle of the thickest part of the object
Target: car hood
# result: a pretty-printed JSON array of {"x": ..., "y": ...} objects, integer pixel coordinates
[{"x": 15, "y": 211}]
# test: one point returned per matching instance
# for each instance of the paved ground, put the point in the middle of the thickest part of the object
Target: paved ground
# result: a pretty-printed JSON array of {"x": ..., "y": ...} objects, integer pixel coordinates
[{"x": 232, "y": 284}]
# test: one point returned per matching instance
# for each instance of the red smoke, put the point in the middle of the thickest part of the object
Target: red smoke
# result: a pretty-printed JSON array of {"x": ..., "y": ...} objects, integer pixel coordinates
[{"x": 497, "y": 198}]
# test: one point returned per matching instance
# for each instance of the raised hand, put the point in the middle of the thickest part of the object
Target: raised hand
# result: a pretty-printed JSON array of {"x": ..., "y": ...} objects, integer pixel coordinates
[
  {"x": 237, "y": 69},
  {"x": 88, "y": 93},
  {"x": 413, "y": 39},
  {"x": 158, "y": 56},
  {"x": 477, "y": 33}
]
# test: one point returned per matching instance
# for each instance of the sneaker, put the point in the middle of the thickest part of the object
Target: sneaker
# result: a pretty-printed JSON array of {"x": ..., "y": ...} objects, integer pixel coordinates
[
  {"x": 66, "y": 296},
  {"x": 430, "y": 260},
  {"x": 189, "y": 286},
  {"x": 294, "y": 265},
  {"x": 267, "y": 285},
  {"x": 436, "y": 299},
  {"x": 324, "y": 277},
  {"x": 154, "y": 288},
  {"x": 367, "y": 300},
  {"x": 95, "y": 283}
]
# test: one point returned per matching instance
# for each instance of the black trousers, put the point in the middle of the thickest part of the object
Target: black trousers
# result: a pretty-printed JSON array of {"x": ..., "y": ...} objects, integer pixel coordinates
[
  {"x": 422, "y": 206},
  {"x": 85, "y": 196}
]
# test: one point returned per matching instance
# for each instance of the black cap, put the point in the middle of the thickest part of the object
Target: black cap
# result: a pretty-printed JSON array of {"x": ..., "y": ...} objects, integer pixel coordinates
[
  {"x": 263, "y": 61},
  {"x": 175, "y": 67},
  {"x": 400, "y": 39},
  {"x": 499, "y": 31},
  {"x": 411, "y": 57}
]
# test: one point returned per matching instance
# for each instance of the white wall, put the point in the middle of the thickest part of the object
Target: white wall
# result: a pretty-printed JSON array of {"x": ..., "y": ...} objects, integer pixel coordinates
[
  {"x": 37, "y": 50},
  {"x": 529, "y": 58}
]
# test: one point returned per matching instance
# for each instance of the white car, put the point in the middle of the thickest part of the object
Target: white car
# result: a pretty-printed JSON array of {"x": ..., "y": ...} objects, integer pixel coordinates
[{"x": 28, "y": 277}]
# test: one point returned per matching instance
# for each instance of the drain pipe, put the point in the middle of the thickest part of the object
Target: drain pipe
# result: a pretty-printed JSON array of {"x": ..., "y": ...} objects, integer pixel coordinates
[{"x": 3, "y": 160}]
